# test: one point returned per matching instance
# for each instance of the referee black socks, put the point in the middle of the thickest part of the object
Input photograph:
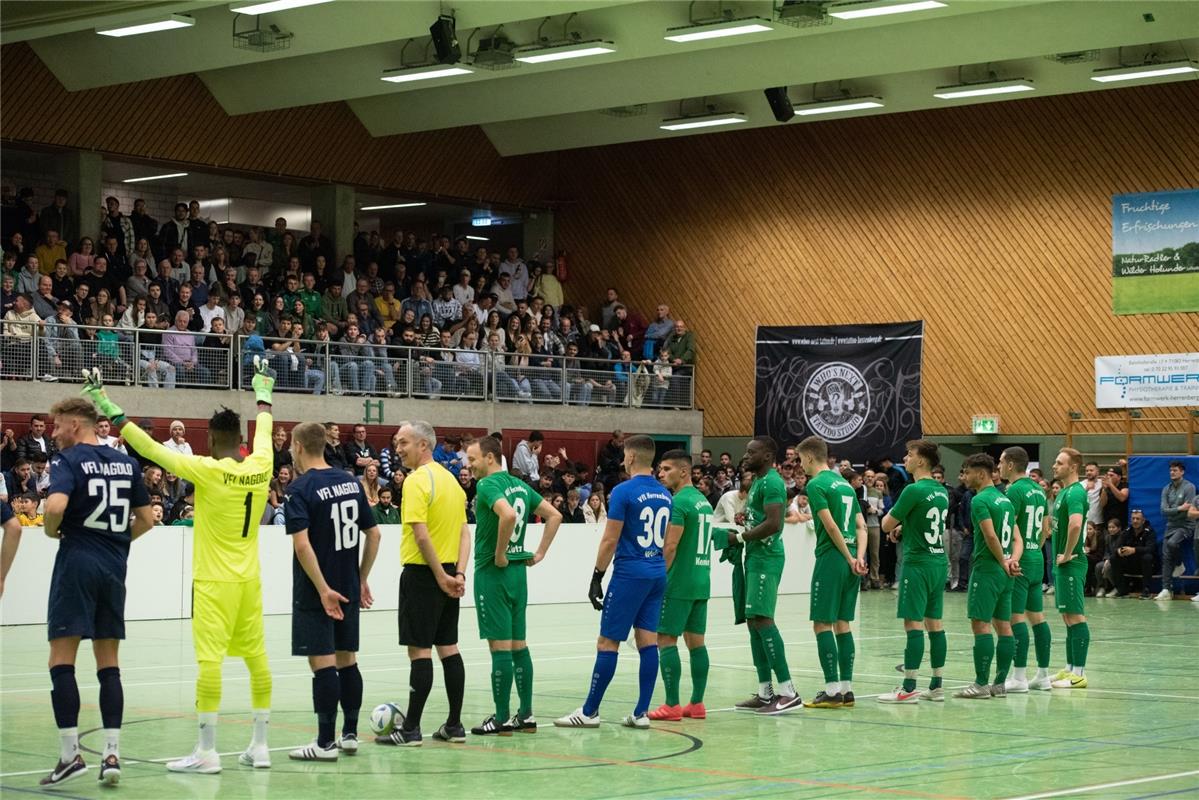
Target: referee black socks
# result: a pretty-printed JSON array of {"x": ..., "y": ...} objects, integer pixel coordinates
[
  {"x": 454, "y": 670},
  {"x": 420, "y": 683}
]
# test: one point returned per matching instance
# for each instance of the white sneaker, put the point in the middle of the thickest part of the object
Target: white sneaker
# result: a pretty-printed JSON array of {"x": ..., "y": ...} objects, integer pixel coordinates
[
  {"x": 314, "y": 752},
  {"x": 1042, "y": 684},
  {"x": 256, "y": 756},
  {"x": 1164, "y": 594},
  {"x": 641, "y": 722},
  {"x": 974, "y": 691},
  {"x": 204, "y": 762},
  {"x": 1101, "y": 593},
  {"x": 348, "y": 744},
  {"x": 1195, "y": 599},
  {"x": 577, "y": 719},
  {"x": 934, "y": 695},
  {"x": 1016, "y": 685}
]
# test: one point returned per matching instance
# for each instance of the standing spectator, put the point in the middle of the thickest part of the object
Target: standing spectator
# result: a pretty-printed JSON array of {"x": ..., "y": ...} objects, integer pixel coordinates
[
  {"x": 515, "y": 266},
  {"x": 1113, "y": 496},
  {"x": 118, "y": 226},
  {"x": 611, "y": 460},
  {"x": 1094, "y": 486},
  {"x": 525, "y": 458},
  {"x": 178, "y": 439},
  {"x": 144, "y": 225},
  {"x": 36, "y": 442},
  {"x": 313, "y": 245},
  {"x": 657, "y": 331},
  {"x": 174, "y": 233},
  {"x": 681, "y": 346},
  {"x": 56, "y": 217},
  {"x": 1135, "y": 552},
  {"x": 358, "y": 453},
  {"x": 875, "y": 508},
  {"x": 608, "y": 310},
  {"x": 547, "y": 286},
  {"x": 261, "y": 249},
  {"x": 1178, "y": 497}
]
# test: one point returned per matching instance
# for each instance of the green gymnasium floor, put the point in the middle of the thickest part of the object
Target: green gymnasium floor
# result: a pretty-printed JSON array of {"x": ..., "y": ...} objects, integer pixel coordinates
[{"x": 1136, "y": 734}]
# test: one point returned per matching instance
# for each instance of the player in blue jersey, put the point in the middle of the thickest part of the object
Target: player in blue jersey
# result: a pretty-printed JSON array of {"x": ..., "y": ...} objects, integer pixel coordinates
[
  {"x": 97, "y": 504},
  {"x": 638, "y": 514},
  {"x": 327, "y": 514}
]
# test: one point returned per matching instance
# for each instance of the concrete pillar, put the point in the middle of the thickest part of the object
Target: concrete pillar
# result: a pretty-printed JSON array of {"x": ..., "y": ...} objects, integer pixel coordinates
[
  {"x": 539, "y": 236},
  {"x": 80, "y": 173},
  {"x": 333, "y": 207}
]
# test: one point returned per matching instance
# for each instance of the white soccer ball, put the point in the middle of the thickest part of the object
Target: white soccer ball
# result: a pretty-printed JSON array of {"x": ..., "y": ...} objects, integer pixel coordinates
[{"x": 386, "y": 718}]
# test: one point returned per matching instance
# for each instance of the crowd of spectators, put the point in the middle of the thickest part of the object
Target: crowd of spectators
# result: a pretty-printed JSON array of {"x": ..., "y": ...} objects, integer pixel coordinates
[{"x": 410, "y": 315}]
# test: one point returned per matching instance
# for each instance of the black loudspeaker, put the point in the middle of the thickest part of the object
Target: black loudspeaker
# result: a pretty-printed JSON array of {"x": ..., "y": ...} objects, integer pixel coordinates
[
  {"x": 445, "y": 40},
  {"x": 780, "y": 104}
]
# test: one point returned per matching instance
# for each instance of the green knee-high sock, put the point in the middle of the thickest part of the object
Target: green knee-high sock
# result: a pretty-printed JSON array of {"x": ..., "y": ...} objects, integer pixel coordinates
[
  {"x": 1070, "y": 645},
  {"x": 1020, "y": 633},
  {"x": 668, "y": 662},
  {"x": 826, "y": 647},
  {"x": 699, "y": 673},
  {"x": 1082, "y": 643},
  {"x": 522, "y": 667},
  {"x": 913, "y": 654},
  {"x": 938, "y": 651},
  {"x": 761, "y": 662},
  {"x": 845, "y": 656},
  {"x": 501, "y": 683},
  {"x": 1005, "y": 648},
  {"x": 1043, "y": 642},
  {"x": 776, "y": 653},
  {"x": 984, "y": 653}
]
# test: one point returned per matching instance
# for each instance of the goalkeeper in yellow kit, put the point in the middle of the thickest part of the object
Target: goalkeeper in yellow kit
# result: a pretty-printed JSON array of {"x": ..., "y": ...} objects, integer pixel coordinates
[{"x": 231, "y": 493}]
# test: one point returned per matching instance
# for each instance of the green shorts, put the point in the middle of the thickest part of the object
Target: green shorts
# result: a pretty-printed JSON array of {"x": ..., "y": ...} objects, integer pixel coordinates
[
  {"x": 1026, "y": 588},
  {"x": 834, "y": 589},
  {"x": 680, "y": 615},
  {"x": 501, "y": 596},
  {"x": 922, "y": 591},
  {"x": 761, "y": 594},
  {"x": 990, "y": 595},
  {"x": 1068, "y": 581}
]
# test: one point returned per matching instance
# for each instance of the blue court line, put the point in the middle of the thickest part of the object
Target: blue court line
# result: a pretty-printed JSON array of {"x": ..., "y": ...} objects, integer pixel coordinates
[{"x": 1165, "y": 794}]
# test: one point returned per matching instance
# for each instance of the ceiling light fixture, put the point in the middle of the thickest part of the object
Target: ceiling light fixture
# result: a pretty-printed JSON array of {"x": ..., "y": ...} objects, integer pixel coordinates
[
  {"x": 703, "y": 121},
  {"x": 392, "y": 205},
  {"x": 272, "y": 6},
  {"x": 697, "y": 32},
  {"x": 1142, "y": 71},
  {"x": 477, "y": 238},
  {"x": 983, "y": 89},
  {"x": 170, "y": 22},
  {"x": 873, "y": 8},
  {"x": 560, "y": 52},
  {"x": 425, "y": 73},
  {"x": 838, "y": 106},
  {"x": 155, "y": 177}
]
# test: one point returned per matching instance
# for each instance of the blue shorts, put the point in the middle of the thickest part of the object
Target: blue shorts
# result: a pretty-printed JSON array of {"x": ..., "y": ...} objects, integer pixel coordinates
[
  {"x": 631, "y": 603},
  {"x": 87, "y": 598}
]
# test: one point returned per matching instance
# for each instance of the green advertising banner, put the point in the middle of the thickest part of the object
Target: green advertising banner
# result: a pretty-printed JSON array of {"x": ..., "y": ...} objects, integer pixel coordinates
[{"x": 1155, "y": 252}]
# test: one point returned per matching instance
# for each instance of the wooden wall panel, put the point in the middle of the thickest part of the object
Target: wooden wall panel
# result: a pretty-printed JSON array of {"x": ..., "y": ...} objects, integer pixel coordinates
[
  {"x": 990, "y": 222},
  {"x": 177, "y": 119}
]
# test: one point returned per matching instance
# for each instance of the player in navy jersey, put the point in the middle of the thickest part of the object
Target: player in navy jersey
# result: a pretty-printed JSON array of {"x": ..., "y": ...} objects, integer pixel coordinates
[
  {"x": 638, "y": 513},
  {"x": 97, "y": 504},
  {"x": 327, "y": 514}
]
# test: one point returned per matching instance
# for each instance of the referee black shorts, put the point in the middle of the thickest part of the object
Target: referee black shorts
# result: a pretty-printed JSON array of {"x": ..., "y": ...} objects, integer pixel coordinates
[{"x": 428, "y": 616}]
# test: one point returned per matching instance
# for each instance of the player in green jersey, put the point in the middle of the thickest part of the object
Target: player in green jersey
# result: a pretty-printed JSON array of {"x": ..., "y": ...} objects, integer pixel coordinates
[
  {"x": 688, "y": 553},
  {"x": 919, "y": 517},
  {"x": 764, "y": 559},
  {"x": 1029, "y": 508},
  {"x": 996, "y": 559},
  {"x": 840, "y": 562},
  {"x": 503, "y": 506},
  {"x": 1070, "y": 568}
]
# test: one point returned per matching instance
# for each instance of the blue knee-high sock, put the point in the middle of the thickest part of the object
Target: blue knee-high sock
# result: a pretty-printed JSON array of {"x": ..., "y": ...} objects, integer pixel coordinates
[
  {"x": 605, "y": 668},
  {"x": 647, "y": 677}
]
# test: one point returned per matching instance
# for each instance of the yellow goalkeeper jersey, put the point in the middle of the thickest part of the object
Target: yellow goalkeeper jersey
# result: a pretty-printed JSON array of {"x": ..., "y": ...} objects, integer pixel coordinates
[{"x": 230, "y": 499}]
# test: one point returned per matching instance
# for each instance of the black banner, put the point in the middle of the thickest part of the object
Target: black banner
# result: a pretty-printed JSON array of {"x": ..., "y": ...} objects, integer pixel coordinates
[{"x": 855, "y": 386}]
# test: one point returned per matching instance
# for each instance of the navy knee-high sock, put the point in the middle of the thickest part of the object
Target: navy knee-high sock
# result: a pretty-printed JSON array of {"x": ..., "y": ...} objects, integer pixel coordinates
[
  {"x": 112, "y": 697},
  {"x": 326, "y": 691},
  {"x": 65, "y": 696},
  {"x": 351, "y": 698}
]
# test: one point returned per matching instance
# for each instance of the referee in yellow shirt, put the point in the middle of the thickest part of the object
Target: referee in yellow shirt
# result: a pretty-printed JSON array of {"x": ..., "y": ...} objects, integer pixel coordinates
[{"x": 434, "y": 550}]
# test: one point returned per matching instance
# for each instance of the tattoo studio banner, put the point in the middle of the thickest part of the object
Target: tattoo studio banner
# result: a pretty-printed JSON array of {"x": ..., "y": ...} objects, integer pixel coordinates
[
  {"x": 1155, "y": 252},
  {"x": 855, "y": 386}
]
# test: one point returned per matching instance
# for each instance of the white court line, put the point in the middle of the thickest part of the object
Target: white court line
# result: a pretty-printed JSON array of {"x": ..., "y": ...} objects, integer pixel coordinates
[
  {"x": 148, "y": 761},
  {"x": 1098, "y": 786}
]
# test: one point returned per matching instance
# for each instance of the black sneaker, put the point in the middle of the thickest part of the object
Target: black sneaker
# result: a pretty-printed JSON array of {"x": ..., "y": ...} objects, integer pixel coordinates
[
  {"x": 755, "y": 702},
  {"x": 491, "y": 727},
  {"x": 780, "y": 705},
  {"x": 847, "y": 700},
  {"x": 110, "y": 770},
  {"x": 450, "y": 733},
  {"x": 523, "y": 724},
  {"x": 824, "y": 700},
  {"x": 402, "y": 738},
  {"x": 65, "y": 771}
]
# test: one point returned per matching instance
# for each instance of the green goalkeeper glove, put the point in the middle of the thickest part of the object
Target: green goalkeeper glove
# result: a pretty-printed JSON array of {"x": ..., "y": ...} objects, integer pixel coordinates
[
  {"x": 93, "y": 389},
  {"x": 263, "y": 382}
]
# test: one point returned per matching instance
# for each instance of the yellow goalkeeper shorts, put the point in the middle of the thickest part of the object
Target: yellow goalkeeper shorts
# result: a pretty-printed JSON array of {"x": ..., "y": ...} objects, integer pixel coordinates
[{"x": 227, "y": 619}]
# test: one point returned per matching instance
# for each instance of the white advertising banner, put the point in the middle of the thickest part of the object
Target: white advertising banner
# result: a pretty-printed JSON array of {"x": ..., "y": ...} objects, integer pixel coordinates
[{"x": 1164, "y": 379}]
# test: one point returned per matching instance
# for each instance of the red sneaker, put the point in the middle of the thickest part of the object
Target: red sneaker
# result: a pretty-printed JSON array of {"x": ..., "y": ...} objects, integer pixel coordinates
[
  {"x": 667, "y": 713},
  {"x": 695, "y": 711}
]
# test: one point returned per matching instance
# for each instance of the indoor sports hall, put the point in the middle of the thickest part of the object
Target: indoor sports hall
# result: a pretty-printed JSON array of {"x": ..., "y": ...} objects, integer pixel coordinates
[{"x": 636, "y": 398}]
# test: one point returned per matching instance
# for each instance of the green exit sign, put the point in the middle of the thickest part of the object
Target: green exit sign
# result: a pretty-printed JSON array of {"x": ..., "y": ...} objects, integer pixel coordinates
[{"x": 984, "y": 423}]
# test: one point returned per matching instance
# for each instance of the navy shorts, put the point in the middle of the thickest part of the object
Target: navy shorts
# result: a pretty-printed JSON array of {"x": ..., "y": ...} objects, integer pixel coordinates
[
  {"x": 631, "y": 603},
  {"x": 87, "y": 598},
  {"x": 315, "y": 633}
]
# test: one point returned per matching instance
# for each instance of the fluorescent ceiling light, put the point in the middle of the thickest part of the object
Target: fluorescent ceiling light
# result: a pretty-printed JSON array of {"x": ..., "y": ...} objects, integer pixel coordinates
[
  {"x": 169, "y": 22},
  {"x": 718, "y": 30},
  {"x": 477, "y": 238},
  {"x": 272, "y": 6},
  {"x": 427, "y": 73},
  {"x": 707, "y": 121},
  {"x": 155, "y": 177},
  {"x": 561, "y": 52},
  {"x": 392, "y": 205},
  {"x": 1114, "y": 74},
  {"x": 983, "y": 89},
  {"x": 838, "y": 106},
  {"x": 875, "y": 9}
]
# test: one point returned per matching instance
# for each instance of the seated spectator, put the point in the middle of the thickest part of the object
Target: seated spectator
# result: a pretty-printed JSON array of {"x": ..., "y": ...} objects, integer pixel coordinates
[
  {"x": 135, "y": 314},
  {"x": 370, "y": 484},
  {"x": 179, "y": 349},
  {"x": 386, "y": 513},
  {"x": 573, "y": 511},
  {"x": 389, "y": 460},
  {"x": 81, "y": 261},
  {"x": 178, "y": 439},
  {"x": 277, "y": 494},
  {"x": 20, "y": 480},
  {"x": 595, "y": 510},
  {"x": 526, "y": 463},
  {"x": 358, "y": 453},
  {"x": 447, "y": 310},
  {"x": 154, "y": 367},
  {"x": 388, "y": 308},
  {"x": 446, "y": 453},
  {"x": 546, "y": 284},
  {"x": 468, "y": 373},
  {"x": 109, "y": 352},
  {"x": 25, "y": 506},
  {"x": 333, "y": 451},
  {"x": 505, "y": 300},
  {"x": 335, "y": 307}
]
